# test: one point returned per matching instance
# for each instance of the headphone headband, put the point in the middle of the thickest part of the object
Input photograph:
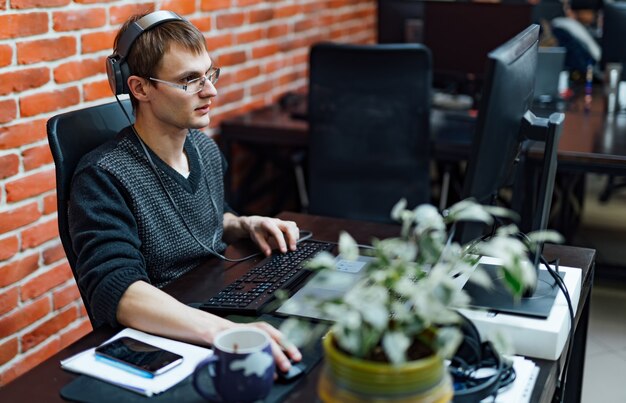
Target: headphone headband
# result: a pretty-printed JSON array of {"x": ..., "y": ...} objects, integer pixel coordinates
[{"x": 117, "y": 68}]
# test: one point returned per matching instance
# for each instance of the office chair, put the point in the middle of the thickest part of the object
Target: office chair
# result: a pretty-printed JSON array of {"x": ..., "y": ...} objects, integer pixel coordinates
[
  {"x": 369, "y": 125},
  {"x": 70, "y": 136}
]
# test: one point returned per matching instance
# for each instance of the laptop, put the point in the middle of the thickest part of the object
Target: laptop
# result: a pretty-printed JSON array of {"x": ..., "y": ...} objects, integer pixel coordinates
[{"x": 550, "y": 63}]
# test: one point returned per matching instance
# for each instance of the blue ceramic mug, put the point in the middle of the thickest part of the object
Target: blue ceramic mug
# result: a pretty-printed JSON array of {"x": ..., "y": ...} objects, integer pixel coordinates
[{"x": 241, "y": 367}]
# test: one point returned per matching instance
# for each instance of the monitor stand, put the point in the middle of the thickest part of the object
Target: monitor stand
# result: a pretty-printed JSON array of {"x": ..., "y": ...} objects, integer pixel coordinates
[{"x": 499, "y": 299}]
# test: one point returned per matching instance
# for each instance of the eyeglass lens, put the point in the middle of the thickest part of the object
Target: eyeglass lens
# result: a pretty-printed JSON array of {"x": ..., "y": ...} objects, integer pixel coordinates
[{"x": 197, "y": 85}]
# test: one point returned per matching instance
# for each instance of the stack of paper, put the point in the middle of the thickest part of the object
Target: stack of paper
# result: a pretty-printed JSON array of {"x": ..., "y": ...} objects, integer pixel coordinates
[
  {"x": 86, "y": 363},
  {"x": 520, "y": 390}
]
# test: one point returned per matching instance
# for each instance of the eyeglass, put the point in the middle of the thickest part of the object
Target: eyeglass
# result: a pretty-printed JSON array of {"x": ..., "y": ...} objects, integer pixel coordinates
[{"x": 194, "y": 86}]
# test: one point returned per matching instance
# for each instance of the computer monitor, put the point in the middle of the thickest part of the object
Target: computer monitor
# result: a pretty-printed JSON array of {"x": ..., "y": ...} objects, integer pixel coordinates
[
  {"x": 504, "y": 125},
  {"x": 400, "y": 21},
  {"x": 614, "y": 32},
  {"x": 461, "y": 34}
]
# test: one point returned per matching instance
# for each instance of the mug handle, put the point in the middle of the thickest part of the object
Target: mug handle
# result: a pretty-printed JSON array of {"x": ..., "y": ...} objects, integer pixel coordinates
[{"x": 196, "y": 373}]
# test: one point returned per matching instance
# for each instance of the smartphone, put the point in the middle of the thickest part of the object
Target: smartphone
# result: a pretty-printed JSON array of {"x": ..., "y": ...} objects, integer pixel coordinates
[{"x": 140, "y": 358}]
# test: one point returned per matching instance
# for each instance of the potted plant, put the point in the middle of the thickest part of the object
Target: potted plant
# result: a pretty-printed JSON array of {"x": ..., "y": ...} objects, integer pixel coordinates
[{"x": 392, "y": 331}]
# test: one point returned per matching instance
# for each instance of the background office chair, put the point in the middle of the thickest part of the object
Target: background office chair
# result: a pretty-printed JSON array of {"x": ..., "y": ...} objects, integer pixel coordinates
[
  {"x": 369, "y": 118},
  {"x": 72, "y": 135}
]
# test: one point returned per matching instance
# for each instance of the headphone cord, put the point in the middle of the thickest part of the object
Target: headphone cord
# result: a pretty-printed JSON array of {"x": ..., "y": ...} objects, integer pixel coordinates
[{"x": 173, "y": 202}]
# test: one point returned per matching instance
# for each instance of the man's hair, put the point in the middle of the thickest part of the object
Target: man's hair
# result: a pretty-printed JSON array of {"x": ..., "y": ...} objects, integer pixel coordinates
[{"x": 146, "y": 53}]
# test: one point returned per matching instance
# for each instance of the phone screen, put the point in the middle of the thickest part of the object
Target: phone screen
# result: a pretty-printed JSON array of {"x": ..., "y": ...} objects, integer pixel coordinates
[{"x": 140, "y": 355}]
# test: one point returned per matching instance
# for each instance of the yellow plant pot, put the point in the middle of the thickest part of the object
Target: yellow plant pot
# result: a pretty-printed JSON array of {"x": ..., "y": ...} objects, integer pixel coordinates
[{"x": 347, "y": 379}]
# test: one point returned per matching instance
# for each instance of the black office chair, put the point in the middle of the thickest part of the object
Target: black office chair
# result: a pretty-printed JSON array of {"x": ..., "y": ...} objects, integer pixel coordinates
[
  {"x": 369, "y": 118},
  {"x": 70, "y": 136}
]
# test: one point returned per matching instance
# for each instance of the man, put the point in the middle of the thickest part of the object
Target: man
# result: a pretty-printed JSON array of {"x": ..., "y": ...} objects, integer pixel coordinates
[{"x": 148, "y": 206}]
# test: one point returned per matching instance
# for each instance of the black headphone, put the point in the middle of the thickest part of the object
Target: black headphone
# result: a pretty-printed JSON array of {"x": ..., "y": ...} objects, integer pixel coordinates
[
  {"x": 117, "y": 68},
  {"x": 473, "y": 354}
]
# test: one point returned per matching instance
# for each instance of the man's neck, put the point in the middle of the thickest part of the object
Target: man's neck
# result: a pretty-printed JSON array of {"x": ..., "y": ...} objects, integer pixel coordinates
[{"x": 167, "y": 144}]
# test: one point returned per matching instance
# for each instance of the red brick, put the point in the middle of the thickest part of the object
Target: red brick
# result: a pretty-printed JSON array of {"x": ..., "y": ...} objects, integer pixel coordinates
[
  {"x": 119, "y": 14},
  {"x": 50, "y": 203},
  {"x": 8, "y": 350},
  {"x": 305, "y": 24},
  {"x": 247, "y": 74},
  {"x": 39, "y": 233},
  {"x": 265, "y": 50},
  {"x": 29, "y": 186},
  {"x": 278, "y": 30},
  {"x": 97, "y": 41},
  {"x": 24, "y": 133},
  {"x": 23, "y": 79},
  {"x": 18, "y": 217},
  {"x": 224, "y": 98},
  {"x": 202, "y": 23},
  {"x": 20, "y": 25},
  {"x": 262, "y": 15},
  {"x": 219, "y": 41},
  {"x": 274, "y": 65},
  {"x": 43, "y": 50},
  {"x": 15, "y": 271},
  {"x": 8, "y": 110},
  {"x": 38, "y": 285},
  {"x": 35, "y": 104},
  {"x": 71, "y": 334},
  {"x": 30, "y": 360},
  {"x": 78, "y": 19},
  {"x": 20, "y": 4},
  {"x": 9, "y": 165},
  {"x": 210, "y": 5},
  {"x": 97, "y": 90},
  {"x": 264, "y": 87},
  {"x": 8, "y": 300},
  {"x": 181, "y": 7},
  {"x": 47, "y": 329},
  {"x": 242, "y": 3},
  {"x": 76, "y": 70},
  {"x": 93, "y": 1},
  {"x": 286, "y": 11},
  {"x": 232, "y": 58},
  {"x": 8, "y": 247},
  {"x": 250, "y": 36},
  {"x": 64, "y": 296},
  {"x": 36, "y": 156},
  {"x": 53, "y": 254},
  {"x": 231, "y": 20},
  {"x": 6, "y": 55},
  {"x": 82, "y": 310},
  {"x": 27, "y": 314}
]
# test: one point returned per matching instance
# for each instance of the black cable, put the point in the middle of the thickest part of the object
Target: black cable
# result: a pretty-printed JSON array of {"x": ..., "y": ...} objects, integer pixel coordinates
[
  {"x": 182, "y": 217},
  {"x": 570, "y": 307}
]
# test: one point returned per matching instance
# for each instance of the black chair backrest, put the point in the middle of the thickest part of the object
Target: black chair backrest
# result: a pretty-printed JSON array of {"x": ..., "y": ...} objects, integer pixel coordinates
[
  {"x": 70, "y": 136},
  {"x": 369, "y": 117}
]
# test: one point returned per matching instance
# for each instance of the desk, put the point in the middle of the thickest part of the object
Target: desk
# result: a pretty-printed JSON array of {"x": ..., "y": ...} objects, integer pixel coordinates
[
  {"x": 589, "y": 143},
  {"x": 43, "y": 383}
]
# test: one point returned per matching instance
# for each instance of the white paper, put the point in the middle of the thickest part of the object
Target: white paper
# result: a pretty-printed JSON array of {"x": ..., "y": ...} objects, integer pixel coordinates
[
  {"x": 520, "y": 390},
  {"x": 86, "y": 363}
]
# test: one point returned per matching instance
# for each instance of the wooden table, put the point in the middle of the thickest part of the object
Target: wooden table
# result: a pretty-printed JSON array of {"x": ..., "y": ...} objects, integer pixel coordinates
[{"x": 43, "y": 383}]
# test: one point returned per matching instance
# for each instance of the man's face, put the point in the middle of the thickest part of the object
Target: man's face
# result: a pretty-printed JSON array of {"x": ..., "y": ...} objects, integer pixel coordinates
[{"x": 173, "y": 106}]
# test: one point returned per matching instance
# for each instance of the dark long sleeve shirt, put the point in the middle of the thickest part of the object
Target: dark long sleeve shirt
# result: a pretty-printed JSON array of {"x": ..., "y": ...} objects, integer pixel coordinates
[{"x": 124, "y": 227}]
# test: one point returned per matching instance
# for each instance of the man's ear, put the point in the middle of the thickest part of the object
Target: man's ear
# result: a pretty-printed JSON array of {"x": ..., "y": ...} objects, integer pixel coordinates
[{"x": 138, "y": 87}]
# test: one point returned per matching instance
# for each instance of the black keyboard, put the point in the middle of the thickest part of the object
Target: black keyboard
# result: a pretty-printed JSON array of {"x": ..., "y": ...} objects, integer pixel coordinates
[{"x": 282, "y": 271}]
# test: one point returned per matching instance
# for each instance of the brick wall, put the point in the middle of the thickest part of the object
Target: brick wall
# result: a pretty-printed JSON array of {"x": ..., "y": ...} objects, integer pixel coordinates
[{"x": 52, "y": 56}]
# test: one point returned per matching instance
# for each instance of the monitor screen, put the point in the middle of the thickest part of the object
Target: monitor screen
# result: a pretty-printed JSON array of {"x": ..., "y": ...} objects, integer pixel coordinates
[
  {"x": 461, "y": 34},
  {"x": 614, "y": 32},
  {"x": 507, "y": 96}
]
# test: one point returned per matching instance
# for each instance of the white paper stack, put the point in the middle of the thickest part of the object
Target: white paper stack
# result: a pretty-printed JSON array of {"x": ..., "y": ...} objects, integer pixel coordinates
[
  {"x": 86, "y": 363},
  {"x": 520, "y": 390}
]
